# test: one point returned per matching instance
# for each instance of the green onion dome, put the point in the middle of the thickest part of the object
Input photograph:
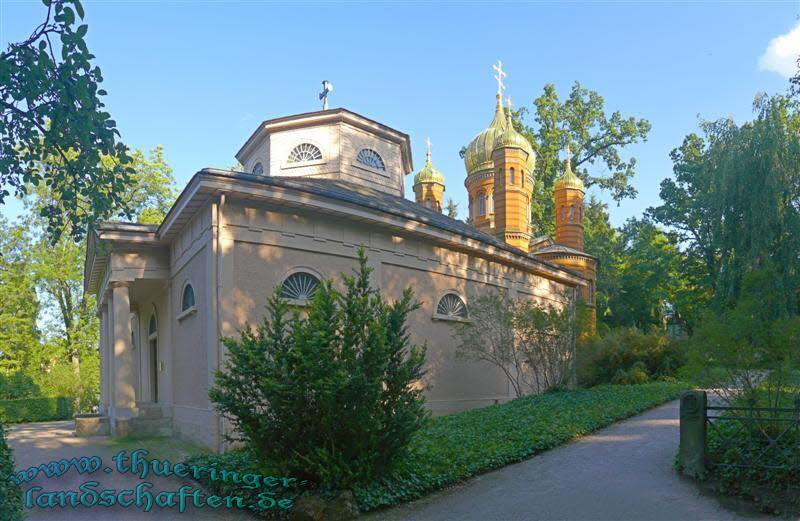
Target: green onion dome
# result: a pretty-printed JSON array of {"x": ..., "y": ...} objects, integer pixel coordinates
[
  {"x": 429, "y": 173},
  {"x": 569, "y": 180},
  {"x": 479, "y": 151},
  {"x": 509, "y": 137}
]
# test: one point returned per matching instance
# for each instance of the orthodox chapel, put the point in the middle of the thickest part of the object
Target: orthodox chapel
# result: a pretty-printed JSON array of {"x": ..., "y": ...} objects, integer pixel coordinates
[{"x": 316, "y": 187}]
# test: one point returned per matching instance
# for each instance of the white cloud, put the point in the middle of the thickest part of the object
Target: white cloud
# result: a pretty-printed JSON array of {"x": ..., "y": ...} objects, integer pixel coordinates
[{"x": 782, "y": 53}]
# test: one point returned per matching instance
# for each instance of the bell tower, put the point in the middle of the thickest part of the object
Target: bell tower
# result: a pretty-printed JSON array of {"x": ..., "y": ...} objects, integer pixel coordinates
[
  {"x": 429, "y": 184},
  {"x": 568, "y": 194},
  {"x": 513, "y": 186}
]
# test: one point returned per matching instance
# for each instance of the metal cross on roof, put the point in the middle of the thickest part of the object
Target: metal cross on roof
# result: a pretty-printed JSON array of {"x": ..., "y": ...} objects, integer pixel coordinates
[
  {"x": 499, "y": 77},
  {"x": 428, "y": 143},
  {"x": 508, "y": 102}
]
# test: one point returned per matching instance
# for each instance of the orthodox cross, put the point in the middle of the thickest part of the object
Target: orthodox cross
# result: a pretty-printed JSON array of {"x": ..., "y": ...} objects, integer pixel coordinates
[
  {"x": 508, "y": 101},
  {"x": 499, "y": 77},
  {"x": 326, "y": 88},
  {"x": 428, "y": 143},
  {"x": 569, "y": 154}
]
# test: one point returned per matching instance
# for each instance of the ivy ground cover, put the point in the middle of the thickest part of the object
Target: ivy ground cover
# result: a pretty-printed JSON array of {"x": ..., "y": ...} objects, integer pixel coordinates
[{"x": 453, "y": 448}]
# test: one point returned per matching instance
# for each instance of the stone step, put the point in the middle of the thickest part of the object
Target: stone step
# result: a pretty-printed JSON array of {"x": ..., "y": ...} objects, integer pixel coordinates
[{"x": 141, "y": 426}]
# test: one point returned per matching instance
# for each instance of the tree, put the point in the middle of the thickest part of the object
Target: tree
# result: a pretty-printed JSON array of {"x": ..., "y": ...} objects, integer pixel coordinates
[
  {"x": 594, "y": 138},
  {"x": 50, "y": 107},
  {"x": 735, "y": 204},
  {"x": 19, "y": 304},
  {"x": 330, "y": 396},
  {"x": 452, "y": 208},
  {"x": 533, "y": 345},
  {"x": 604, "y": 242}
]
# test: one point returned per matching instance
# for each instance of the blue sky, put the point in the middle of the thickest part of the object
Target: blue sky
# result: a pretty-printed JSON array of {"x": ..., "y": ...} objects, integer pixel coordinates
[{"x": 198, "y": 76}]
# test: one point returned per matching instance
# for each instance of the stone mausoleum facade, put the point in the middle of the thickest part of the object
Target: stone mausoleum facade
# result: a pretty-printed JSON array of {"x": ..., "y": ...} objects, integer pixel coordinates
[{"x": 317, "y": 186}]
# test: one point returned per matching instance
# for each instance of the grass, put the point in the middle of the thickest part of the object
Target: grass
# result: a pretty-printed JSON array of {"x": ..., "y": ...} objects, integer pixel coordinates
[{"x": 451, "y": 449}]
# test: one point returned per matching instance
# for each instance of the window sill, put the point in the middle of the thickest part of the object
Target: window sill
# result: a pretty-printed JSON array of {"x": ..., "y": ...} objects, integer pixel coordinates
[
  {"x": 289, "y": 166},
  {"x": 183, "y": 314},
  {"x": 296, "y": 302},
  {"x": 448, "y": 318}
]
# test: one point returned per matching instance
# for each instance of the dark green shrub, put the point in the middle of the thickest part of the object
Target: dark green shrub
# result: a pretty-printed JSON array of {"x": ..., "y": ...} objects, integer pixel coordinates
[
  {"x": 450, "y": 449},
  {"x": 327, "y": 396},
  {"x": 10, "y": 493},
  {"x": 627, "y": 355},
  {"x": 17, "y": 385},
  {"x": 35, "y": 409}
]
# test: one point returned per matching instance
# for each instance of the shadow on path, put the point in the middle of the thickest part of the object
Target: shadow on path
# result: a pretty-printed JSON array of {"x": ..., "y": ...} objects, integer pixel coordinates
[
  {"x": 38, "y": 443},
  {"x": 622, "y": 472}
]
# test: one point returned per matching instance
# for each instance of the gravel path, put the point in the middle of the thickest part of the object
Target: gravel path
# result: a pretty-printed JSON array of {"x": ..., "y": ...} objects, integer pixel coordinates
[
  {"x": 622, "y": 472},
  {"x": 38, "y": 443}
]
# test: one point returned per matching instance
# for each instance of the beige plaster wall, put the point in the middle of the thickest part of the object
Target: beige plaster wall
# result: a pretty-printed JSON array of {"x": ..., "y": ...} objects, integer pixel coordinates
[
  {"x": 267, "y": 244},
  {"x": 193, "y": 417},
  {"x": 339, "y": 143}
]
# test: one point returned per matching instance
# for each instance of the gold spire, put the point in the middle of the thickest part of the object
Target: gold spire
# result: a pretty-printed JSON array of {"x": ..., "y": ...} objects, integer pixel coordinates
[{"x": 568, "y": 179}]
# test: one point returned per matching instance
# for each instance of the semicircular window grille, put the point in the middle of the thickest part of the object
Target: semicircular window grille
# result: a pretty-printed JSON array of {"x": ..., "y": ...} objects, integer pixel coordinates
[
  {"x": 367, "y": 156},
  {"x": 258, "y": 169},
  {"x": 451, "y": 305},
  {"x": 305, "y": 152},
  {"x": 299, "y": 286}
]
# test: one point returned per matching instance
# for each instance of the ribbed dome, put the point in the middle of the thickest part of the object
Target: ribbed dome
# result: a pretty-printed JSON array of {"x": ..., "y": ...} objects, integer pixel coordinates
[
  {"x": 479, "y": 150},
  {"x": 569, "y": 180},
  {"x": 511, "y": 138},
  {"x": 429, "y": 174}
]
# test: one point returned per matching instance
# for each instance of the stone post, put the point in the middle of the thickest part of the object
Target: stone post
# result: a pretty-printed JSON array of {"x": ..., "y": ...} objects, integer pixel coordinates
[
  {"x": 122, "y": 351},
  {"x": 692, "y": 451}
]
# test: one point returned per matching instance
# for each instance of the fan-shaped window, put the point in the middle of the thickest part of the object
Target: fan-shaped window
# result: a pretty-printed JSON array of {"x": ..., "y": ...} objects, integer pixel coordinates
[
  {"x": 187, "y": 301},
  {"x": 452, "y": 306},
  {"x": 299, "y": 286},
  {"x": 305, "y": 152},
  {"x": 372, "y": 159},
  {"x": 258, "y": 169}
]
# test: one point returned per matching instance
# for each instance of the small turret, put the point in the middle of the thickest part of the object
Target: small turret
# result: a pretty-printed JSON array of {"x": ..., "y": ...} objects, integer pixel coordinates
[
  {"x": 568, "y": 193},
  {"x": 429, "y": 184}
]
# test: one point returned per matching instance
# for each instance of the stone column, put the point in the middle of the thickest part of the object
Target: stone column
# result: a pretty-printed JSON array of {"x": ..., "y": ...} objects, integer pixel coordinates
[
  {"x": 124, "y": 398},
  {"x": 105, "y": 398}
]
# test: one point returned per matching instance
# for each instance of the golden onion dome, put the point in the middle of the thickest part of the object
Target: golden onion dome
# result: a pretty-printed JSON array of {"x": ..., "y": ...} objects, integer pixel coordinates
[
  {"x": 568, "y": 179},
  {"x": 479, "y": 151},
  {"x": 509, "y": 137},
  {"x": 429, "y": 173}
]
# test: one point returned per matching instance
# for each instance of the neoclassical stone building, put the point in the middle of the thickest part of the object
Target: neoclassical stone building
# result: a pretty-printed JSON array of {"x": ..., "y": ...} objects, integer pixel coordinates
[{"x": 316, "y": 187}]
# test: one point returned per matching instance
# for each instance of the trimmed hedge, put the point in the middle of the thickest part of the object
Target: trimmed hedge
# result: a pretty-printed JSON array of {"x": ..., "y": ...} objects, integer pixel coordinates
[
  {"x": 10, "y": 493},
  {"x": 35, "y": 409},
  {"x": 453, "y": 448}
]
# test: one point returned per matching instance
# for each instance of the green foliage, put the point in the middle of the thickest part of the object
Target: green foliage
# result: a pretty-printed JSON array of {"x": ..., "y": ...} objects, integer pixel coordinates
[
  {"x": 733, "y": 202},
  {"x": 734, "y": 351},
  {"x": 451, "y": 449},
  {"x": 773, "y": 483},
  {"x": 10, "y": 493},
  {"x": 452, "y": 208},
  {"x": 19, "y": 304},
  {"x": 329, "y": 395},
  {"x": 17, "y": 385},
  {"x": 50, "y": 107},
  {"x": 533, "y": 345},
  {"x": 627, "y": 355},
  {"x": 579, "y": 121},
  {"x": 23, "y": 410}
]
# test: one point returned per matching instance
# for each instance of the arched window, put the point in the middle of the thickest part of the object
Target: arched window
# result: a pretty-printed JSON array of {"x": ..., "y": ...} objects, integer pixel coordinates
[
  {"x": 571, "y": 213},
  {"x": 299, "y": 286},
  {"x": 152, "y": 326},
  {"x": 258, "y": 169},
  {"x": 482, "y": 204},
  {"x": 512, "y": 176},
  {"x": 305, "y": 152},
  {"x": 367, "y": 156},
  {"x": 452, "y": 306},
  {"x": 187, "y": 300}
]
